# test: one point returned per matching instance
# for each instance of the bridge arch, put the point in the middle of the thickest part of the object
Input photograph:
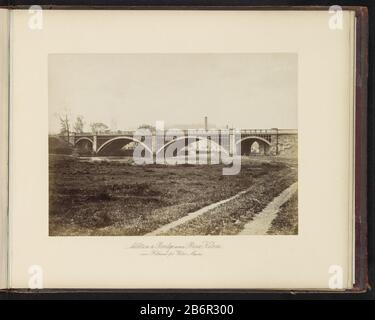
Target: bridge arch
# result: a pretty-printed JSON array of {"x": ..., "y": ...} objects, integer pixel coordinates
[
  {"x": 84, "y": 139},
  {"x": 197, "y": 138},
  {"x": 129, "y": 139},
  {"x": 84, "y": 146},
  {"x": 247, "y": 142}
]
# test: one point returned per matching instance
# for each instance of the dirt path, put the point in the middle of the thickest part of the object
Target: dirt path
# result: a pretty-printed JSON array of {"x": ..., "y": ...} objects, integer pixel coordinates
[
  {"x": 193, "y": 215},
  {"x": 259, "y": 225},
  {"x": 262, "y": 221}
]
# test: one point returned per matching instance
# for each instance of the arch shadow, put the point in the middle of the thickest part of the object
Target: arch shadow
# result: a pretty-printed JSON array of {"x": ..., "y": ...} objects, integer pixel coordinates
[
  {"x": 101, "y": 150},
  {"x": 84, "y": 145},
  {"x": 188, "y": 141},
  {"x": 247, "y": 143}
]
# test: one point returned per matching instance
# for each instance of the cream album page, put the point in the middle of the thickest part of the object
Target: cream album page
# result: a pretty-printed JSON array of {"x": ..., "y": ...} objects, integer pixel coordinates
[{"x": 181, "y": 149}]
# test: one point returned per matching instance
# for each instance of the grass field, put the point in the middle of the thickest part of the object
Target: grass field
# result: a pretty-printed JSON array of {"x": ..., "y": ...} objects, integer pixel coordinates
[
  {"x": 115, "y": 198},
  {"x": 286, "y": 222}
]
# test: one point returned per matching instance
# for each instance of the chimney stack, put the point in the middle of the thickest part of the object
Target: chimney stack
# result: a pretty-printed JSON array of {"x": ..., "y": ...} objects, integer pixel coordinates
[{"x": 205, "y": 123}]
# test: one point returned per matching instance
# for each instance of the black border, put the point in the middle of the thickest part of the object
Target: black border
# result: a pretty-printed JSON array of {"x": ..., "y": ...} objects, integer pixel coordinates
[{"x": 217, "y": 294}]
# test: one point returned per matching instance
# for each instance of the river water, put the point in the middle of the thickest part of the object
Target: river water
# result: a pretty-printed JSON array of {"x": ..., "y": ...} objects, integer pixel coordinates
[{"x": 201, "y": 159}]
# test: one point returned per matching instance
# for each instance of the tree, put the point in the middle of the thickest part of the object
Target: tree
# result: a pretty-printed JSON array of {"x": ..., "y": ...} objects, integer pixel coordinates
[
  {"x": 65, "y": 125},
  {"x": 78, "y": 125},
  {"x": 98, "y": 127}
]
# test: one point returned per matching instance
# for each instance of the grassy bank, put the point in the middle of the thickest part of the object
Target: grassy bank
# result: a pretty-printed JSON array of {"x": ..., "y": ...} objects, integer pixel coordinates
[
  {"x": 286, "y": 222},
  {"x": 111, "y": 198}
]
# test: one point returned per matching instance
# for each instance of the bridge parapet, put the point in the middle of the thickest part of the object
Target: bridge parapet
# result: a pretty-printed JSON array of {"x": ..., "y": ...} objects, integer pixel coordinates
[{"x": 185, "y": 131}]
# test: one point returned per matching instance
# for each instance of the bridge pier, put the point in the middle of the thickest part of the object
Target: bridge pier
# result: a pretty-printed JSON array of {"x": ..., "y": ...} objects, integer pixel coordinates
[
  {"x": 232, "y": 143},
  {"x": 95, "y": 143}
]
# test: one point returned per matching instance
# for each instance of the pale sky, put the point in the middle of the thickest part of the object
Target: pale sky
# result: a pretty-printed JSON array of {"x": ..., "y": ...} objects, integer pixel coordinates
[{"x": 252, "y": 91}]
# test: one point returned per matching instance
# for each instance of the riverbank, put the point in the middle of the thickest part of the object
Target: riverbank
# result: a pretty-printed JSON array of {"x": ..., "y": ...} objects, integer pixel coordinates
[{"x": 118, "y": 198}]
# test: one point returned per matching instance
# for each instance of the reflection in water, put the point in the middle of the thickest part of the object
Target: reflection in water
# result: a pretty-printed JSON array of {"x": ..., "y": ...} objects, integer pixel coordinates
[{"x": 202, "y": 159}]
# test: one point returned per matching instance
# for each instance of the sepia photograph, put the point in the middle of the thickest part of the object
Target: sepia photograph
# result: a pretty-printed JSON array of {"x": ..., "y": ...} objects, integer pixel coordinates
[{"x": 177, "y": 144}]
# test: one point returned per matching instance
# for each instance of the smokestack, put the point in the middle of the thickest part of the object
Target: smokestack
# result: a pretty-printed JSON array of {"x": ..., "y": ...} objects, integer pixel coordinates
[{"x": 205, "y": 123}]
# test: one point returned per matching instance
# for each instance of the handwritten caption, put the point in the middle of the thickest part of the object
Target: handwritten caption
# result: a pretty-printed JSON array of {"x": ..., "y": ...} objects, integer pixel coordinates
[{"x": 161, "y": 248}]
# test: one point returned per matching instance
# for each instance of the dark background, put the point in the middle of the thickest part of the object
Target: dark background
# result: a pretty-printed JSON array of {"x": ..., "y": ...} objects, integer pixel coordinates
[{"x": 168, "y": 295}]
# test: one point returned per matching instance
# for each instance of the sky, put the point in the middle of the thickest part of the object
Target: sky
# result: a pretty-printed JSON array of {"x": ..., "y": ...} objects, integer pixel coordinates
[{"x": 124, "y": 91}]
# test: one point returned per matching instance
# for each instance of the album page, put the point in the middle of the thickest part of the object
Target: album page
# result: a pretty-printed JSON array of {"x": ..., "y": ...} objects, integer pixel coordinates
[{"x": 181, "y": 149}]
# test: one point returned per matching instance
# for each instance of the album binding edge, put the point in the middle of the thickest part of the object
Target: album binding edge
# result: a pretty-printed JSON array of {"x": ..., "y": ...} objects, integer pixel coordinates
[
  {"x": 361, "y": 246},
  {"x": 4, "y": 147}
]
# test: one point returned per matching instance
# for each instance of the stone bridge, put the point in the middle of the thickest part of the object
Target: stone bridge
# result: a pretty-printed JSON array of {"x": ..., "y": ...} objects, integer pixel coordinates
[{"x": 252, "y": 141}]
